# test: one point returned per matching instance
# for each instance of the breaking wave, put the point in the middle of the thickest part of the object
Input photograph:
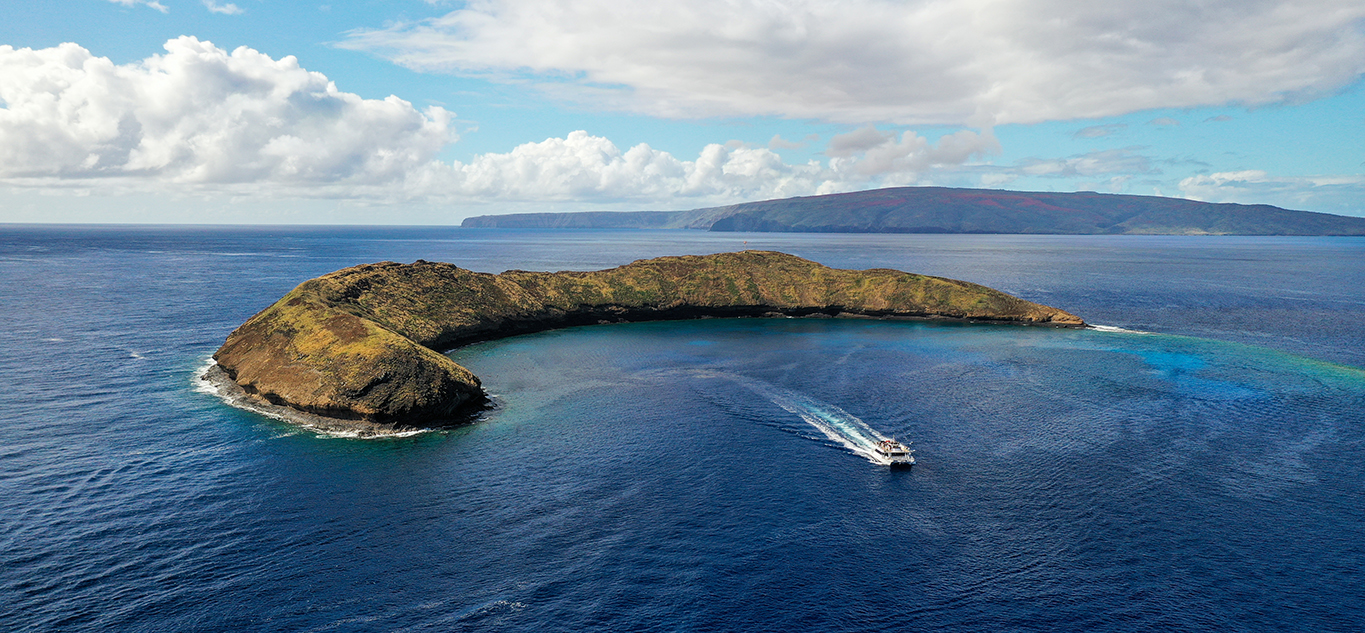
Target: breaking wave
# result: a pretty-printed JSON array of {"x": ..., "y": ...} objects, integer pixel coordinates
[{"x": 212, "y": 380}]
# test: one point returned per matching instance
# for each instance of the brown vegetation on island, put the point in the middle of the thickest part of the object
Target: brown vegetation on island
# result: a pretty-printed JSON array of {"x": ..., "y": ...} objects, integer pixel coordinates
[{"x": 360, "y": 343}]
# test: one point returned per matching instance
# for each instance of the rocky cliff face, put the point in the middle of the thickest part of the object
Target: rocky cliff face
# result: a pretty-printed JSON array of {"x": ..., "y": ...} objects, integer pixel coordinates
[{"x": 359, "y": 343}]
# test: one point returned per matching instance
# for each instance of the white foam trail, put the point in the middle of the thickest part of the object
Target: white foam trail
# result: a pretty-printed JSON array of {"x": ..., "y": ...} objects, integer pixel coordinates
[
  {"x": 1111, "y": 328},
  {"x": 210, "y": 380},
  {"x": 836, "y": 424}
]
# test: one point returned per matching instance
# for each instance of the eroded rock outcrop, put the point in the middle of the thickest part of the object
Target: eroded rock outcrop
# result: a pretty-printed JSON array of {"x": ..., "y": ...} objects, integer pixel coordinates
[{"x": 360, "y": 343}]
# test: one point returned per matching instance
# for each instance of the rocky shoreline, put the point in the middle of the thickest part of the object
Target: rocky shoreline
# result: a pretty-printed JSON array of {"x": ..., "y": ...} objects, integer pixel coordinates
[
  {"x": 356, "y": 350},
  {"x": 216, "y": 381}
]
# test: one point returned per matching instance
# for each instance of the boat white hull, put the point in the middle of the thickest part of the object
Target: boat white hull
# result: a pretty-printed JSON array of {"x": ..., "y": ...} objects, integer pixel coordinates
[{"x": 895, "y": 454}]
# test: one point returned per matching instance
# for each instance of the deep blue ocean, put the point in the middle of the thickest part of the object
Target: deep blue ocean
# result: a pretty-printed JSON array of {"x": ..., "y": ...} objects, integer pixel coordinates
[{"x": 1198, "y": 465}]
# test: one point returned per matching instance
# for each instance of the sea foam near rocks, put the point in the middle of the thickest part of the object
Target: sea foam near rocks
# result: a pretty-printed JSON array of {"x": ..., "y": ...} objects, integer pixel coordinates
[{"x": 212, "y": 380}]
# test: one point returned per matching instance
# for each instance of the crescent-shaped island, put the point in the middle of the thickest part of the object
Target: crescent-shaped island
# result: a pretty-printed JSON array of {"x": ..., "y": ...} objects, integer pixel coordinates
[{"x": 361, "y": 346}]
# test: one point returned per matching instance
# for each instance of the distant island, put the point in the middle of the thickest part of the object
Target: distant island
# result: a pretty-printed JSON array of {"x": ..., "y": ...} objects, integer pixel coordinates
[
  {"x": 360, "y": 346},
  {"x": 948, "y": 210}
]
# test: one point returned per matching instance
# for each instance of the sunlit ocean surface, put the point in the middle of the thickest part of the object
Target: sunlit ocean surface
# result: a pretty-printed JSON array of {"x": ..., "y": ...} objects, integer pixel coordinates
[{"x": 1198, "y": 465}]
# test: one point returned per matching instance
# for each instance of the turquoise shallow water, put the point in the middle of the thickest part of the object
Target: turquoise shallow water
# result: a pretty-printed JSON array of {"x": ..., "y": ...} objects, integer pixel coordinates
[{"x": 699, "y": 475}]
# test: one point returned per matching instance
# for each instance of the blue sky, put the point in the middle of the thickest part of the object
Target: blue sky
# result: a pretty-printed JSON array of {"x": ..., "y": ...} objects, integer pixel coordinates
[{"x": 262, "y": 111}]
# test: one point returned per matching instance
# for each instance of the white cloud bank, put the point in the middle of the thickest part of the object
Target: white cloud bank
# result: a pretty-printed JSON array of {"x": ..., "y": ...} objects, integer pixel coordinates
[
  {"x": 1343, "y": 194},
  {"x": 200, "y": 115},
  {"x": 582, "y": 166},
  {"x": 201, "y": 119},
  {"x": 146, "y": 3},
  {"x": 223, "y": 9},
  {"x": 978, "y": 62}
]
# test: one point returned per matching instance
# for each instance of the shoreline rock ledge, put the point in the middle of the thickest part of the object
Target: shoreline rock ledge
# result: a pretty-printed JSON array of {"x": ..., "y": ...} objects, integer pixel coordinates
[{"x": 361, "y": 344}]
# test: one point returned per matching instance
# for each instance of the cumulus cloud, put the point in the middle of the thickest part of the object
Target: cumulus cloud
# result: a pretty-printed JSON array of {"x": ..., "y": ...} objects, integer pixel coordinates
[
  {"x": 978, "y": 62},
  {"x": 1342, "y": 194},
  {"x": 201, "y": 119},
  {"x": 200, "y": 115},
  {"x": 224, "y": 9},
  {"x": 860, "y": 140},
  {"x": 1099, "y": 131},
  {"x": 583, "y": 166},
  {"x": 1111, "y": 171},
  {"x": 1124, "y": 161},
  {"x": 153, "y": 4},
  {"x": 870, "y": 152},
  {"x": 777, "y": 142}
]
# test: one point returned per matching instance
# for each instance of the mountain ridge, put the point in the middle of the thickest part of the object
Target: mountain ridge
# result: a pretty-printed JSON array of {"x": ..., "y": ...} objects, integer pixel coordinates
[{"x": 954, "y": 210}]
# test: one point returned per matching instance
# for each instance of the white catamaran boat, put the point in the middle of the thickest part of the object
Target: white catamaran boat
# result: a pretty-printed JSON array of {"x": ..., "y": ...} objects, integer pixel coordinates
[{"x": 895, "y": 453}]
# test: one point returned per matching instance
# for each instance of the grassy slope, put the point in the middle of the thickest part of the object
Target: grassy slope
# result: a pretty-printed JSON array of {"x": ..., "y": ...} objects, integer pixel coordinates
[{"x": 358, "y": 342}]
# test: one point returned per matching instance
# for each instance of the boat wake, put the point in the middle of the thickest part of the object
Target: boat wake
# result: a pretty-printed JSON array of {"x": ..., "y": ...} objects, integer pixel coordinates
[
  {"x": 1111, "y": 328},
  {"x": 838, "y": 425}
]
